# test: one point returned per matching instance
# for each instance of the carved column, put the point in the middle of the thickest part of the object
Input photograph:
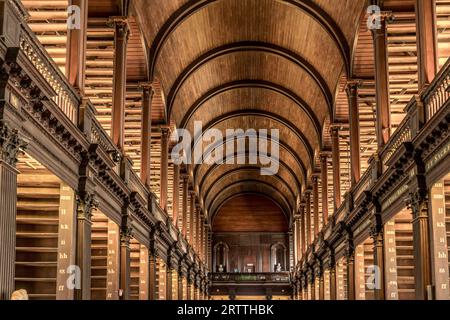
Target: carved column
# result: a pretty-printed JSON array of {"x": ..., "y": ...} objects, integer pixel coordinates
[
  {"x": 176, "y": 194},
  {"x": 355, "y": 158},
  {"x": 189, "y": 286},
  {"x": 152, "y": 257},
  {"x": 191, "y": 218},
  {"x": 298, "y": 238},
  {"x": 336, "y": 167},
  {"x": 169, "y": 270},
  {"x": 315, "y": 183},
  {"x": 206, "y": 244},
  {"x": 324, "y": 181},
  {"x": 377, "y": 235},
  {"x": 332, "y": 268},
  {"x": 380, "y": 42},
  {"x": 197, "y": 229},
  {"x": 304, "y": 284},
  {"x": 319, "y": 275},
  {"x": 180, "y": 283},
  {"x": 76, "y": 45},
  {"x": 302, "y": 228},
  {"x": 350, "y": 256},
  {"x": 311, "y": 284},
  {"x": 427, "y": 51},
  {"x": 418, "y": 203},
  {"x": 125, "y": 237},
  {"x": 146, "y": 134},
  {"x": 121, "y": 33},
  {"x": 164, "y": 167},
  {"x": 10, "y": 143},
  {"x": 85, "y": 204},
  {"x": 202, "y": 238},
  {"x": 185, "y": 179},
  {"x": 308, "y": 218}
]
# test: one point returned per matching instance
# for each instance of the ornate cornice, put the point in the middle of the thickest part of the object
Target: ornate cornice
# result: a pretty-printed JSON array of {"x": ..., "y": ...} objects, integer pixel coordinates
[{"x": 86, "y": 202}]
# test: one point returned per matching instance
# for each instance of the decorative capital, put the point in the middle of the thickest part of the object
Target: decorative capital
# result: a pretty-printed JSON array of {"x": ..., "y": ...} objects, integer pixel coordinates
[
  {"x": 165, "y": 132},
  {"x": 315, "y": 178},
  {"x": 120, "y": 22},
  {"x": 145, "y": 85},
  {"x": 126, "y": 233},
  {"x": 10, "y": 144},
  {"x": 376, "y": 228},
  {"x": 324, "y": 155},
  {"x": 352, "y": 86},
  {"x": 85, "y": 204},
  {"x": 349, "y": 249},
  {"x": 418, "y": 204},
  {"x": 334, "y": 130},
  {"x": 331, "y": 259},
  {"x": 311, "y": 276},
  {"x": 379, "y": 20}
]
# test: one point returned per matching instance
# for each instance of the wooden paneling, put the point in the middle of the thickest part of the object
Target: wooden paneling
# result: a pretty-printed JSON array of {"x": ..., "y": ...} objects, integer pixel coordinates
[
  {"x": 249, "y": 250},
  {"x": 38, "y": 201},
  {"x": 136, "y": 61},
  {"x": 250, "y": 213},
  {"x": 103, "y": 8}
]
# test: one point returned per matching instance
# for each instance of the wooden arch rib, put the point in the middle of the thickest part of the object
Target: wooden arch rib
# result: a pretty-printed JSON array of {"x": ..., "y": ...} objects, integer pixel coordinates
[
  {"x": 246, "y": 169},
  {"x": 281, "y": 143},
  {"x": 254, "y": 84},
  {"x": 244, "y": 154},
  {"x": 245, "y": 193},
  {"x": 212, "y": 208},
  {"x": 259, "y": 113},
  {"x": 306, "y": 6},
  {"x": 246, "y": 46}
]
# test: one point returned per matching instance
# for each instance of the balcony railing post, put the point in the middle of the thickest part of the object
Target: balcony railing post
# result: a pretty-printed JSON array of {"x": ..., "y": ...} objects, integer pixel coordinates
[
  {"x": 416, "y": 115},
  {"x": 85, "y": 115},
  {"x": 126, "y": 166}
]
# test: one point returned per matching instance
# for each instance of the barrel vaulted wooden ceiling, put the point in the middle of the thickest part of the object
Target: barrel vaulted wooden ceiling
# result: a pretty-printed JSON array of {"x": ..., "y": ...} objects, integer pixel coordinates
[{"x": 252, "y": 64}]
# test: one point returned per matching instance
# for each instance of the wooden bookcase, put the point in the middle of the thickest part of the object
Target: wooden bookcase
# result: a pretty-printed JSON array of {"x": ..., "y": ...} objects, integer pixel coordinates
[
  {"x": 37, "y": 223},
  {"x": 399, "y": 257},
  {"x": 341, "y": 279}
]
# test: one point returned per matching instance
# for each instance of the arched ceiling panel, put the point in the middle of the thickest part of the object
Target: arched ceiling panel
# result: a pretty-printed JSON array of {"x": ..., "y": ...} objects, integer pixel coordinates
[
  {"x": 246, "y": 175},
  {"x": 250, "y": 213},
  {"x": 243, "y": 61},
  {"x": 218, "y": 173},
  {"x": 345, "y": 22},
  {"x": 256, "y": 64},
  {"x": 288, "y": 160},
  {"x": 209, "y": 173},
  {"x": 256, "y": 98},
  {"x": 154, "y": 14},
  {"x": 228, "y": 21},
  {"x": 248, "y": 186},
  {"x": 254, "y": 119}
]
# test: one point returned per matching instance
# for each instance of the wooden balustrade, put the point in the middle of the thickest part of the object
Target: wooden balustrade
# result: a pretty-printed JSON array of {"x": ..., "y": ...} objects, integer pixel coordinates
[
  {"x": 401, "y": 135},
  {"x": 65, "y": 96},
  {"x": 434, "y": 99},
  {"x": 340, "y": 213},
  {"x": 363, "y": 184},
  {"x": 260, "y": 277},
  {"x": 438, "y": 93}
]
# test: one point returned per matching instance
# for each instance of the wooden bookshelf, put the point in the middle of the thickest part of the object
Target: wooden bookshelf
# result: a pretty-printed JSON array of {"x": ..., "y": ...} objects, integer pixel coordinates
[
  {"x": 38, "y": 200},
  {"x": 99, "y": 256}
]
